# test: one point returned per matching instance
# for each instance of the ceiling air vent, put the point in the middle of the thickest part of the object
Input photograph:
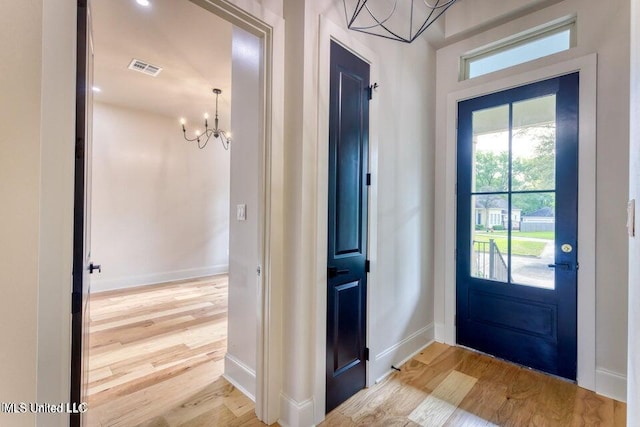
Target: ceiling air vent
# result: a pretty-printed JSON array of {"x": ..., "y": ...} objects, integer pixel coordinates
[{"x": 144, "y": 67}]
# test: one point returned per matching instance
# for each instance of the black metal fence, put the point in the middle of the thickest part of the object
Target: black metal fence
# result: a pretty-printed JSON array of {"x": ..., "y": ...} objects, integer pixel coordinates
[{"x": 489, "y": 262}]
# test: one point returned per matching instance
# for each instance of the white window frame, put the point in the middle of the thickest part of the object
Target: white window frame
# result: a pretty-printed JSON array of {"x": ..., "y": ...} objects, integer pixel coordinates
[{"x": 521, "y": 39}]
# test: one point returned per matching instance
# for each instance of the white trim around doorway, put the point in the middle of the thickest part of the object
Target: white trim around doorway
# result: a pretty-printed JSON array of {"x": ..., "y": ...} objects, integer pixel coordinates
[
  {"x": 587, "y": 67},
  {"x": 269, "y": 27}
]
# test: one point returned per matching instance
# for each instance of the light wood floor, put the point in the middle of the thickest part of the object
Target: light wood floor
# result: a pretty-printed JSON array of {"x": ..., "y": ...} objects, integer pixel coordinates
[
  {"x": 157, "y": 356},
  {"x": 450, "y": 386}
]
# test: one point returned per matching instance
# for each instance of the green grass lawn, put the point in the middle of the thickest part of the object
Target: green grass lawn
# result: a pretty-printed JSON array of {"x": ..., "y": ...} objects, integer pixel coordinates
[
  {"x": 547, "y": 235},
  {"x": 518, "y": 247}
]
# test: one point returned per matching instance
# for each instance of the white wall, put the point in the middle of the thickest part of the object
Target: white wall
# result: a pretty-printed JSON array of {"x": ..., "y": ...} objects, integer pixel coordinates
[
  {"x": 20, "y": 119},
  {"x": 160, "y": 205},
  {"x": 246, "y": 156},
  {"x": 611, "y": 43},
  {"x": 633, "y": 373},
  {"x": 57, "y": 150},
  {"x": 400, "y": 286},
  {"x": 401, "y": 302},
  {"x": 37, "y": 79},
  {"x": 273, "y": 5},
  {"x": 465, "y": 16}
]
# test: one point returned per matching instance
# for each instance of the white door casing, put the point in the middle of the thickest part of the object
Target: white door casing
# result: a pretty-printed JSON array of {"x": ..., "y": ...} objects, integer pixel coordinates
[{"x": 587, "y": 67}]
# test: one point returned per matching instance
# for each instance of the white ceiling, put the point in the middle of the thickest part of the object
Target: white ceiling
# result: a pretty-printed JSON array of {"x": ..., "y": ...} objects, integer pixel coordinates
[{"x": 192, "y": 45}]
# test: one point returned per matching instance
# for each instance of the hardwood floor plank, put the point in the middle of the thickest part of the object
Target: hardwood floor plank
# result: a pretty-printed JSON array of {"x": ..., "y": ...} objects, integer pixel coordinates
[
  {"x": 381, "y": 404},
  {"x": 434, "y": 373},
  {"x": 126, "y": 320},
  {"x": 238, "y": 403},
  {"x": 156, "y": 422},
  {"x": 337, "y": 419},
  {"x": 619, "y": 414},
  {"x": 555, "y": 403},
  {"x": 210, "y": 398},
  {"x": 116, "y": 380},
  {"x": 591, "y": 409},
  {"x": 156, "y": 398},
  {"x": 468, "y": 419},
  {"x": 220, "y": 416},
  {"x": 99, "y": 374},
  {"x": 436, "y": 409},
  {"x": 491, "y": 391},
  {"x": 430, "y": 353}
]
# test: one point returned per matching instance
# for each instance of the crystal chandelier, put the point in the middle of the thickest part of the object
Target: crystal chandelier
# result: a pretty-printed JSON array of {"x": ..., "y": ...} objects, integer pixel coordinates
[
  {"x": 401, "y": 20},
  {"x": 202, "y": 138}
]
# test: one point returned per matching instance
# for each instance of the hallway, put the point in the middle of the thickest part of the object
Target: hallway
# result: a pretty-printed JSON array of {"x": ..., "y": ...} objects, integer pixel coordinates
[{"x": 277, "y": 347}]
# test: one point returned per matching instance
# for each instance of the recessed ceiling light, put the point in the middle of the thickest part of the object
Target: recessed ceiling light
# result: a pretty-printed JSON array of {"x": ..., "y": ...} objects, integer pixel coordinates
[
  {"x": 96, "y": 89},
  {"x": 143, "y": 2}
]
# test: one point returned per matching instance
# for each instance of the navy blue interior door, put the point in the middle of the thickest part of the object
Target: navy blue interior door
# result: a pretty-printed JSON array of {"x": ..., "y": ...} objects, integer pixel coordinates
[
  {"x": 347, "y": 226},
  {"x": 516, "y": 251}
]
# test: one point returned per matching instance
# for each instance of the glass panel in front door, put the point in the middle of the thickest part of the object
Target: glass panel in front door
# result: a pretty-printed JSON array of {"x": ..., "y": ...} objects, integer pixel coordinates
[
  {"x": 513, "y": 192},
  {"x": 490, "y": 186}
]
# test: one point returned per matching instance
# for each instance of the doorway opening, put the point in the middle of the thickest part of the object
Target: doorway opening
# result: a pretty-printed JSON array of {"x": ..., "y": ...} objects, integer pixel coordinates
[{"x": 160, "y": 211}]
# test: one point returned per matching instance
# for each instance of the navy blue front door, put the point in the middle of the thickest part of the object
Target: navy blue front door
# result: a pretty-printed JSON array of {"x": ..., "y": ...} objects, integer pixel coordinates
[{"x": 516, "y": 251}]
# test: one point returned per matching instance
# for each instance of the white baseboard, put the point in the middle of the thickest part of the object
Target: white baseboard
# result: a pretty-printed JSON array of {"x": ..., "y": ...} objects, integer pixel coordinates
[
  {"x": 440, "y": 334},
  {"x": 240, "y": 375},
  {"x": 400, "y": 353},
  {"x": 295, "y": 414},
  {"x": 611, "y": 384},
  {"x": 98, "y": 285}
]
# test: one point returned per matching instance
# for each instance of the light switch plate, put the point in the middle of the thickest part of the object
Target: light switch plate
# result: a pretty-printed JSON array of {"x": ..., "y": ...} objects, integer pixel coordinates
[
  {"x": 631, "y": 218},
  {"x": 241, "y": 212}
]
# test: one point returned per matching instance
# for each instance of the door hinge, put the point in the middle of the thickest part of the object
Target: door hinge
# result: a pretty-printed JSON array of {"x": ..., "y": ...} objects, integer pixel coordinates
[
  {"x": 367, "y": 266},
  {"x": 93, "y": 267},
  {"x": 76, "y": 302},
  {"x": 366, "y": 353},
  {"x": 370, "y": 90},
  {"x": 79, "y": 148},
  {"x": 368, "y": 179}
]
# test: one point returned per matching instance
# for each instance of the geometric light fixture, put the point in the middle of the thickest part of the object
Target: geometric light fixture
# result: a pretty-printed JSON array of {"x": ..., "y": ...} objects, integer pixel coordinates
[
  {"x": 400, "y": 20},
  {"x": 216, "y": 132}
]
